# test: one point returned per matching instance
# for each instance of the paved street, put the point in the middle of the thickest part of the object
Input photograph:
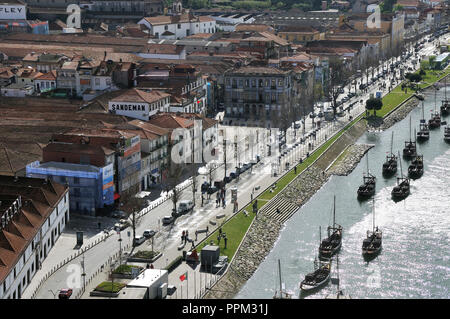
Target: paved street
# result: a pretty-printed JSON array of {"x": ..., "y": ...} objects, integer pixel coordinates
[{"x": 168, "y": 238}]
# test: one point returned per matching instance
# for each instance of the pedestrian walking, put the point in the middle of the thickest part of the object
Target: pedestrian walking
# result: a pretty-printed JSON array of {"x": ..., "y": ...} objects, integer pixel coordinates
[
  {"x": 225, "y": 239},
  {"x": 182, "y": 236}
]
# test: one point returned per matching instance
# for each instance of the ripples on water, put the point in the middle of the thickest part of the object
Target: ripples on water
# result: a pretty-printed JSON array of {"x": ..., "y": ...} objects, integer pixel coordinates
[{"x": 415, "y": 260}]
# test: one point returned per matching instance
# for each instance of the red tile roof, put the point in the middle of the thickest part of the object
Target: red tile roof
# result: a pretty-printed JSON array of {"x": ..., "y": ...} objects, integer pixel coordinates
[{"x": 38, "y": 197}]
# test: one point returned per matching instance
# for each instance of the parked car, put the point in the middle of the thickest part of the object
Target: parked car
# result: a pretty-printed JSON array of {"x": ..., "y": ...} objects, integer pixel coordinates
[
  {"x": 121, "y": 225},
  {"x": 138, "y": 240},
  {"x": 65, "y": 293},
  {"x": 149, "y": 233},
  {"x": 246, "y": 166},
  {"x": 118, "y": 214},
  {"x": 233, "y": 175},
  {"x": 184, "y": 206},
  {"x": 167, "y": 220}
]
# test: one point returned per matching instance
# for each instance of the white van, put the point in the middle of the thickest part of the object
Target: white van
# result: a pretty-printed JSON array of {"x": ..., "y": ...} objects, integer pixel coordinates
[
  {"x": 185, "y": 206},
  {"x": 138, "y": 240}
]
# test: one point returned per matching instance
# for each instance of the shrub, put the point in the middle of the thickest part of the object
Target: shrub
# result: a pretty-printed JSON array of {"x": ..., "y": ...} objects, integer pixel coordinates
[
  {"x": 174, "y": 264},
  {"x": 147, "y": 254},
  {"x": 125, "y": 269},
  {"x": 108, "y": 286}
]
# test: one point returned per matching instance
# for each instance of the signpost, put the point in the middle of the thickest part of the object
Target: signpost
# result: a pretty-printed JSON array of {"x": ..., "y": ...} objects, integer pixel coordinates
[{"x": 79, "y": 238}]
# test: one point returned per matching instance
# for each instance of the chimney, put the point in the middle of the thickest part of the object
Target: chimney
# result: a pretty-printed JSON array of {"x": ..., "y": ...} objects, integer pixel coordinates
[{"x": 324, "y": 5}]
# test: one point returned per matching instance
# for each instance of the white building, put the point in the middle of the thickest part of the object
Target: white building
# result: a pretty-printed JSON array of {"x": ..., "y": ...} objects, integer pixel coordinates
[
  {"x": 33, "y": 213},
  {"x": 163, "y": 51},
  {"x": 154, "y": 280},
  {"x": 45, "y": 82},
  {"x": 140, "y": 104},
  {"x": 179, "y": 25}
]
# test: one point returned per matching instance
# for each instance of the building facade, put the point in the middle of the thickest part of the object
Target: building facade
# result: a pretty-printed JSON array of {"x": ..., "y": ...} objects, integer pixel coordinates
[{"x": 33, "y": 214}]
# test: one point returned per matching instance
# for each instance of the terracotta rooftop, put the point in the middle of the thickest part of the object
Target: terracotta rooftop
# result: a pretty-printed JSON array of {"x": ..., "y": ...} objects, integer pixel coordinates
[
  {"x": 77, "y": 148},
  {"x": 38, "y": 198},
  {"x": 49, "y": 76},
  {"x": 170, "y": 121},
  {"x": 257, "y": 70},
  {"x": 136, "y": 95}
]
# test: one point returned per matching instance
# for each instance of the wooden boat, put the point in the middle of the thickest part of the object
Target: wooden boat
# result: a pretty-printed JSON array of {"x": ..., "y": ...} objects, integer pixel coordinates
[
  {"x": 445, "y": 104},
  {"x": 424, "y": 131},
  {"x": 318, "y": 278},
  {"x": 372, "y": 244},
  {"x": 435, "y": 120},
  {"x": 390, "y": 166},
  {"x": 282, "y": 293},
  {"x": 368, "y": 188},
  {"x": 401, "y": 191},
  {"x": 415, "y": 170},
  {"x": 447, "y": 134},
  {"x": 331, "y": 245},
  {"x": 410, "y": 146}
]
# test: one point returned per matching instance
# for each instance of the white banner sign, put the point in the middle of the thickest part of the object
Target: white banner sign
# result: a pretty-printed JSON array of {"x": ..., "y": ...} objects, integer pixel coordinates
[{"x": 12, "y": 12}]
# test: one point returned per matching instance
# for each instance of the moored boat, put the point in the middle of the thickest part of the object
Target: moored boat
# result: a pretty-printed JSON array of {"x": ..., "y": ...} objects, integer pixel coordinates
[
  {"x": 401, "y": 191},
  {"x": 331, "y": 245},
  {"x": 372, "y": 244},
  {"x": 415, "y": 170},
  {"x": 410, "y": 146},
  {"x": 447, "y": 134},
  {"x": 318, "y": 278},
  {"x": 424, "y": 132},
  {"x": 390, "y": 166},
  {"x": 367, "y": 189}
]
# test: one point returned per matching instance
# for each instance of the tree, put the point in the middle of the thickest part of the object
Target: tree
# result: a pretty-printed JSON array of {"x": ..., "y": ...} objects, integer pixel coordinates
[
  {"x": 374, "y": 104},
  {"x": 337, "y": 79},
  {"x": 171, "y": 178}
]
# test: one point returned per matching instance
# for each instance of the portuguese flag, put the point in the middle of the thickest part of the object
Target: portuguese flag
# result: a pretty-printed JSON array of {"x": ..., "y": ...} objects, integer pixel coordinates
[{"x": 184, "y": 276}]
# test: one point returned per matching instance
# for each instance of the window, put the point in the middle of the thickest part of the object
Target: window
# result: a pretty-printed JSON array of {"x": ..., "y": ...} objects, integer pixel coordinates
[
  {"x": 166, "y": 27},
  {"x": 179, "y": 26}
]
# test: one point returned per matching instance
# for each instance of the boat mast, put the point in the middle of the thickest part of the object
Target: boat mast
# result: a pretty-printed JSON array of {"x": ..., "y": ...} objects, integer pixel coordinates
[
  {"x": 401, "y": 170},
  {"x": 334, "y": 211},
  {"x": 279, "y": 272},
  {"x": 367, "y": 162},
  {"x": 423, "y": 111},
  {"x": 410, "y": 139},
  {"x": 392, "y": 142},
  {"x": 373, "y": 209}
]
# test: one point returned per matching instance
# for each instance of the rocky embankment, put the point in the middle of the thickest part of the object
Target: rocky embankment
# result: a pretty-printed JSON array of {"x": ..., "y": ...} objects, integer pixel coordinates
[
  {"x": 400, "y": 113},
  {"x": 302, "y": 188},
  {"x": 349, "y": 159}
]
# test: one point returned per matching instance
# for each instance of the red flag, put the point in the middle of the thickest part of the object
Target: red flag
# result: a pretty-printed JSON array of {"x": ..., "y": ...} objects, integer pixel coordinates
[{"x": 184, "y": 276}]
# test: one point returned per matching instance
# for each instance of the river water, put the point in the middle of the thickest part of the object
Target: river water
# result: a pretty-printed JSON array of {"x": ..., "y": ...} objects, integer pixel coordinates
[{"x": 415, "y": 260}]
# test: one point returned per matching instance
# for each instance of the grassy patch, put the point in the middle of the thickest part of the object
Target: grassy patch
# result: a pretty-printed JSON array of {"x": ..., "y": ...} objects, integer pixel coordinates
[
  {"x": 235, "y": 230},
  {"x": 108, "y": 286},
  {"x": 125, "y": 269}
]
